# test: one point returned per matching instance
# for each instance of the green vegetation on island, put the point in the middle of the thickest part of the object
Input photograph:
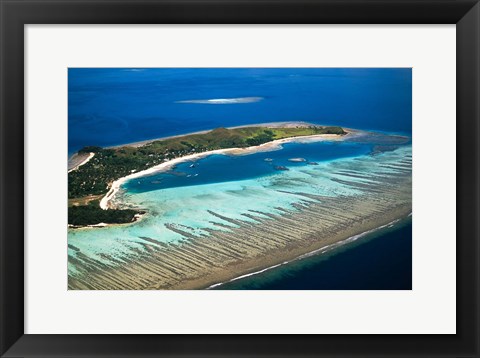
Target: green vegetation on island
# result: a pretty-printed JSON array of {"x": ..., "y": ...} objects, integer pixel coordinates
[
  {"x": 95, "y": 177},
  {"x": 92, "y": 214}
]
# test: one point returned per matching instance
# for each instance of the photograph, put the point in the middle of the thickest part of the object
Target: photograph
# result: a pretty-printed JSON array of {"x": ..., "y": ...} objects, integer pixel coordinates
[
  {"x": 289, "y": 178},
  {"x": 240, "y": 179}
]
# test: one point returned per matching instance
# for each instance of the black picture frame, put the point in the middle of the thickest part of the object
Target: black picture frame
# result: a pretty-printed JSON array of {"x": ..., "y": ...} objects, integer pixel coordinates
[{"x": 17, "y": 13}]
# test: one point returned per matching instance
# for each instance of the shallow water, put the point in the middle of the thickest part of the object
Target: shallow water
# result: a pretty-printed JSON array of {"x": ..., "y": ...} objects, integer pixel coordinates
[
  {"x": 227, "y": 168},
  {"x": 169, "y": 200}
]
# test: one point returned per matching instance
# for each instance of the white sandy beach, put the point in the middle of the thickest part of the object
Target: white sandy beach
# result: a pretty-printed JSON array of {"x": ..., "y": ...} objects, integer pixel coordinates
[
  {"x": 85, "y": 161},
  {"x": 266, "y": 147}
]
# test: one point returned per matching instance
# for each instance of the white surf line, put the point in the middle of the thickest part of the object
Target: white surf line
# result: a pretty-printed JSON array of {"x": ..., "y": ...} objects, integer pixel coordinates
[
  {"x": 312, "y": 253},
  {"x": 90, "y": 156},
  {"x": 247, "y": 275},
  {"x": 346, "y": 241},
  {"x": 269, "y": 146}
]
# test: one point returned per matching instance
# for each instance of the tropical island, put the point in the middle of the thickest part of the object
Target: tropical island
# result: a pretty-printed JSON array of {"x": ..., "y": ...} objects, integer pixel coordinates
[{"x": 94, "y": 176}]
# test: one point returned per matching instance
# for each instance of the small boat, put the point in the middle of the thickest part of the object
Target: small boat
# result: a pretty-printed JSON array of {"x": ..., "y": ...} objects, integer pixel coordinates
[
  {"x": 192, "y": 165},
  {"x": 196, "y": 175},
  {"x": 298, "y": 160}
]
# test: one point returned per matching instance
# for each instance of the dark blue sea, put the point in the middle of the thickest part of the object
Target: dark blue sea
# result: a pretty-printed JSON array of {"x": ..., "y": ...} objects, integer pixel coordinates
[
  {"x": 379, "y": 261},
  {"x": 110, "y": 106}
]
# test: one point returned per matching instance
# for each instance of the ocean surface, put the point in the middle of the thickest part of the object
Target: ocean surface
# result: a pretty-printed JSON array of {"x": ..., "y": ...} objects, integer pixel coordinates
[
  {"x": 110, "y": 106},
  {"x": 232, "y": 168},
  {"x": 380, "y": 260},
  {"x": 116, "y": 106}
]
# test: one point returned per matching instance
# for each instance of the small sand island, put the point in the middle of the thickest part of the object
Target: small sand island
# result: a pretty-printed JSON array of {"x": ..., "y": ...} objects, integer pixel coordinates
[{"x": 95, "y": 174}]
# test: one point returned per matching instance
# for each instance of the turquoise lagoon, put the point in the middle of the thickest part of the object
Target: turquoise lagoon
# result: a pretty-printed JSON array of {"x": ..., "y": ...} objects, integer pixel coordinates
[{"x": 190, "y": 194}]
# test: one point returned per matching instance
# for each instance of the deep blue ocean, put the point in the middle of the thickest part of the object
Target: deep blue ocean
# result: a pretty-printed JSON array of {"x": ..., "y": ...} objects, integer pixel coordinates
[
  {"x": 110, "y": 106},
  {"x": 381, "y": 260}
]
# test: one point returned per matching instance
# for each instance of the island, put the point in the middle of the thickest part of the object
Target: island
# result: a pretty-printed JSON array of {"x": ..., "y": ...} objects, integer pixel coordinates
[
  {"x": 205, "y": 235},
  {"x": 99, "y": 172}
]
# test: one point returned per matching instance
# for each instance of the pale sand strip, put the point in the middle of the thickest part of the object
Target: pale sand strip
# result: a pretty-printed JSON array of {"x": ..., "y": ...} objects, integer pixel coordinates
[
  {"x": 90, "y": 156},
  {"x": 266, "y": 147}
]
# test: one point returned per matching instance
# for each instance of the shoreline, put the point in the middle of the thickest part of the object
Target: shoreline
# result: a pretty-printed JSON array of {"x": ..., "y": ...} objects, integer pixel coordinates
[
  {"x": 265, "y": 147},
  {"x": 267, "y": 125},
  {"x": 319, "y": 251},
  {"x": 85, "y": 161},
  {"x": 137, "y": 218}
]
